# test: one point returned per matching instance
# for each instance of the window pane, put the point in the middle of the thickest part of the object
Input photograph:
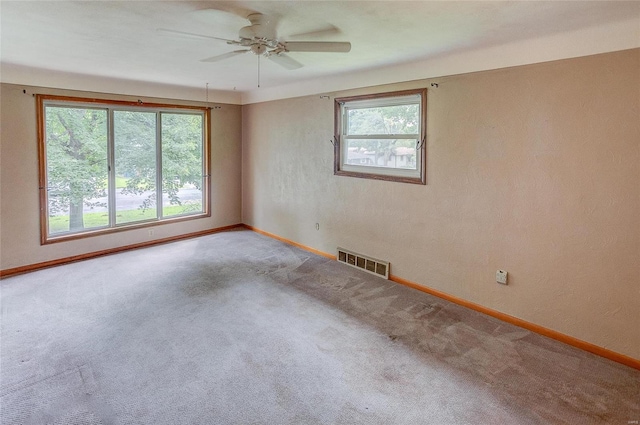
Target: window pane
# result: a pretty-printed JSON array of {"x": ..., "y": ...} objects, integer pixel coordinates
[
  {"x": 182, "y": 164},
  {"x": 135, "y": 165},
  {"x": 398, "y": 119},
  {"x": 76, "y": 162},
  {"x": 399, "y": 153}
]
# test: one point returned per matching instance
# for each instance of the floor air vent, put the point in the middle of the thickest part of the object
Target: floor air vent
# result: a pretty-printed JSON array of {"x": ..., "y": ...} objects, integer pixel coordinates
[{"x": 368, "y": 264}]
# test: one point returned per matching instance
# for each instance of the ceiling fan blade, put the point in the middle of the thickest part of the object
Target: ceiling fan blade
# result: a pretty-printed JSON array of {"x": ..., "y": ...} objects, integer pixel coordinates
[
  {"x": 317, "y": 46},
  {"x": 190, "y": 34},
  {"x": 285, "y": 61},
  {"x": 232, "y": 8},
  {"x": 224, "y": 56},
  {"x": 320, "y": 32}
]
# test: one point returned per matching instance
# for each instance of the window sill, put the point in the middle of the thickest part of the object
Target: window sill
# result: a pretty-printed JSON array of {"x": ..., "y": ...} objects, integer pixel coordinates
[
  {"x": 389, "y": 178},
  {"x": 46, "y": 240}
]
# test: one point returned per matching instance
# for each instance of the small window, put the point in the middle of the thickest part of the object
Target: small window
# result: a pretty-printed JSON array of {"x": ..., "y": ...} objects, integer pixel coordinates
[
  {"x": 108, "y": 165},
  {"x": 381, "y": 136}
]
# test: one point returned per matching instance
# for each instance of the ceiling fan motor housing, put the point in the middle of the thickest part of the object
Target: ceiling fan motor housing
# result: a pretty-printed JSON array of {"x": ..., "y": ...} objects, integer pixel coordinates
[{"x": 261, "y": 27}]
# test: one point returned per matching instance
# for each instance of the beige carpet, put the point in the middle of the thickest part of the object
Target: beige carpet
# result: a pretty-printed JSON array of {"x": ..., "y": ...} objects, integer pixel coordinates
[{"x": 236, "y": 328}]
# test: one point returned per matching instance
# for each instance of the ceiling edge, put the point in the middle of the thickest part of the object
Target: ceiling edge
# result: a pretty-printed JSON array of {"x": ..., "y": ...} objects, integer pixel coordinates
[
  {"x": 18, "y": 74},
  {"x": 616, "y": 36},
  {"x": 620, "y": 35}
]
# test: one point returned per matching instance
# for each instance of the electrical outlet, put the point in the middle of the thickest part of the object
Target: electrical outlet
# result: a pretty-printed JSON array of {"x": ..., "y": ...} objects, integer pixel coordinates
[
  {"x": 317, "y": 226},
  {"x": 501, "y": 277},
  {"x": 150, "y": 232}
]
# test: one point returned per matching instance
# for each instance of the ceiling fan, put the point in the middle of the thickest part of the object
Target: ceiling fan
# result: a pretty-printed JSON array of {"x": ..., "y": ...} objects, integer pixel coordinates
[{"x": 261, "y": 39}]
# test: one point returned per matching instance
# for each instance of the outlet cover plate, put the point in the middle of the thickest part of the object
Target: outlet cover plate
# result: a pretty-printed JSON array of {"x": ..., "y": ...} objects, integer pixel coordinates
[{"x": 501, "y": 277}]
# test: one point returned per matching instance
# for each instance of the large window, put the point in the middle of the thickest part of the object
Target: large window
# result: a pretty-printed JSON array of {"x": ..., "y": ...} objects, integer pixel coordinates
[
  {"x": 381, "y": 136},
  {"x": 106, "y": 166}
]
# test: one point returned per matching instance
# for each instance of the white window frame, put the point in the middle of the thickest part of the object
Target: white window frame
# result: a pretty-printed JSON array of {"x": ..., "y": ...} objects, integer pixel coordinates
[
  {"x": 344, "y": 104},
  {"x": 110, "y": 106}
]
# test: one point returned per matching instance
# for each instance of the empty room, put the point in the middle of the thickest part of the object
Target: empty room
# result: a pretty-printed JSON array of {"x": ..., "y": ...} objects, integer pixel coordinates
[{"x": 320, "y": 212}]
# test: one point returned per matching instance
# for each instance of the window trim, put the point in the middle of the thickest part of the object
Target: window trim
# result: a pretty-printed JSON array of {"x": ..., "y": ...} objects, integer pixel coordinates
[
  {"x": 339, "y": 168},
  {"x": 42, "y": 99}
]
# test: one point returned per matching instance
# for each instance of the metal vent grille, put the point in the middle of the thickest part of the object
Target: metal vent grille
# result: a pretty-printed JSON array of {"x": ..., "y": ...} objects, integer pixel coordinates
[{"x": 362, "y": 262}]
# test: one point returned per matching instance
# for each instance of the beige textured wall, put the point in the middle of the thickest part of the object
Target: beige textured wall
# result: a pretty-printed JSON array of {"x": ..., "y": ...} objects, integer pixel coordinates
[
  {"x": 19, "y": 206},
  {"x": 532, "y": 169}
]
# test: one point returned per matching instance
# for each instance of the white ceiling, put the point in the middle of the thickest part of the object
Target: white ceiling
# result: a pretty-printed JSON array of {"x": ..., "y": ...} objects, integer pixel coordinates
[{"x": 118, "y": 40}]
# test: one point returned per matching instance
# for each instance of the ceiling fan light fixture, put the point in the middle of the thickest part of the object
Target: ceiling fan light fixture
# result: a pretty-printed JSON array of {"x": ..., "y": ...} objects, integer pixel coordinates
[{"x": 259, "y": 49}]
